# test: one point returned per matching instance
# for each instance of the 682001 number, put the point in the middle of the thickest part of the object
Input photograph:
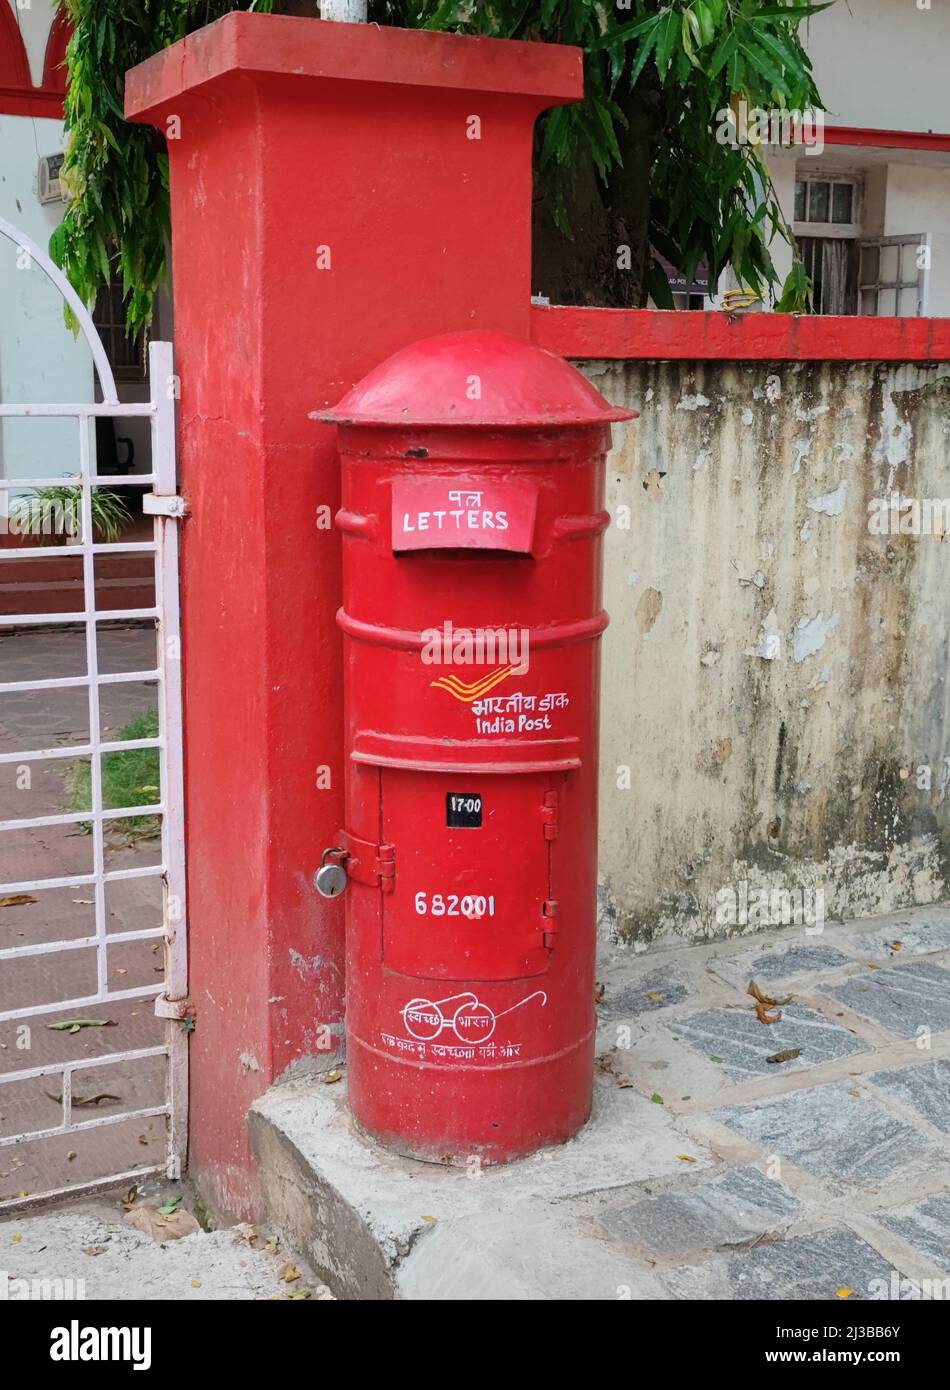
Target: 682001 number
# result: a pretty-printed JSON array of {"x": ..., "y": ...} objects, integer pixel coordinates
[{"x": 472, "y": 906}]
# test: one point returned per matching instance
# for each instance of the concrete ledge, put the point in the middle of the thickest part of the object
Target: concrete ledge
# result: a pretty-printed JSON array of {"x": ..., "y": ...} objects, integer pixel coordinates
[{"x": 377, "y": 1226}]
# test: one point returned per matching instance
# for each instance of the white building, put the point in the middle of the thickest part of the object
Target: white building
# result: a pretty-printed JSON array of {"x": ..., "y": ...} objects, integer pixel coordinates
[
  {"x": 40, "y": 360},
  {"x": 871, "y": 210}
]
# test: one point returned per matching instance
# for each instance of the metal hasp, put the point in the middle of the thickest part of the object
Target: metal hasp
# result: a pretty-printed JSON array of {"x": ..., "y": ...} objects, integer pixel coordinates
[{"x": 472, "y": 520}]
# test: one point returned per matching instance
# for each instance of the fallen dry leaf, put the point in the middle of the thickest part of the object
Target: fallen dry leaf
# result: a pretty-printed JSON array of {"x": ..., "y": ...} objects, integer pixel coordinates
[
  {"x": 763, "y": 1015},
  {"x": 599, "y": 993},
  {"x": 766, "y": 999},
  {"x": 657, "y": 998},
  {"x": 871, "y": 965},
  {"x": 686, "y": 1158},
  {"x": 622, "y": 1082},
  {"x": 94, "y": 1249},
  {"x": 788, "y": 1055},
  {"x": 17, "y": 900},
  {"x": 73, "y": 1025},
  {"x": 331, "y": 1077},
  {"x": 86, "y": 1100},
  {"x": 288, "y": 1274},
  {"x": 844, "y": 1292},
  {"x": 148, "y": 1219}
]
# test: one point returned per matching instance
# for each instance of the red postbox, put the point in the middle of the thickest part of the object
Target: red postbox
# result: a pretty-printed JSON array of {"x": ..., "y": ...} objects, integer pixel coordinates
[{"x": 472, "y": 520}]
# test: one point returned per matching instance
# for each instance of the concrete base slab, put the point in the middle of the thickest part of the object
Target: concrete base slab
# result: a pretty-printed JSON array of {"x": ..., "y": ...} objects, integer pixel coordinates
[
  {"x": 363, "y": 1216},
  {"x": 705, "y": 1172}
]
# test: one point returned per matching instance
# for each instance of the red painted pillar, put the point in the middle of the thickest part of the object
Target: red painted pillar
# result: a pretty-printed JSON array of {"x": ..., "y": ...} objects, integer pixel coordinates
[{"x": 337, "y": 191}]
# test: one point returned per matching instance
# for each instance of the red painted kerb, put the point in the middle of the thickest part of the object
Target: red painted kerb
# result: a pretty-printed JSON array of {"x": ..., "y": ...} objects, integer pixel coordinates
[{"x": 328, "y": 207}]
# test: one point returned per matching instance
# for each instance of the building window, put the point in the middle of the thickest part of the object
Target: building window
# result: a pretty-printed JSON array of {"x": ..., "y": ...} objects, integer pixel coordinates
[
  {"x": 127, "y": 356},
  {"x": 891, "y": 275},
  {"x": 827, "y": 227}
]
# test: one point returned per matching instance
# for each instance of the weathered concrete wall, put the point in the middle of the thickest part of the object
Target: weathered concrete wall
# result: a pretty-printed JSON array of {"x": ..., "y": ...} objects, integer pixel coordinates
[{"x": 775, "y": 695}]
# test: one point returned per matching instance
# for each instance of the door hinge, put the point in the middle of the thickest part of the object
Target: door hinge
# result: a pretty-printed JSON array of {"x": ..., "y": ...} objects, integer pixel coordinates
[
  {"x": 369, "y": 863},
  {"x": 172, "y": 505},
  {"x": 549, "y": 913},
  {"x": 180, "y": 1009},
  {"x": 549, "y": 815}
]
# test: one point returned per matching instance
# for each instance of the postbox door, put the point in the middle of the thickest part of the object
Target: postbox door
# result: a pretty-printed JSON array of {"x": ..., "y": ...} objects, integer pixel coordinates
[{"x": 473, "y": 874}]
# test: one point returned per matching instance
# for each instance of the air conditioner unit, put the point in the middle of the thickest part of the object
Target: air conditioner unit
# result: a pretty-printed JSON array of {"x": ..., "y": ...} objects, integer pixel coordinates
[{"x": 49, "y": 189}]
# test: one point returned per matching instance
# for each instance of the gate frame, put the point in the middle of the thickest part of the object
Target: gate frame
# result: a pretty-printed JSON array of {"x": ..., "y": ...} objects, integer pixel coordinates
[{"x": 163, "y": 503}]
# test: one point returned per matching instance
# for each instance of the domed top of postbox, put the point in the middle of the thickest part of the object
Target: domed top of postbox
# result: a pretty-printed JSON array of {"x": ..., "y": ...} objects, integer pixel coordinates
[{"x": 474, "y": 378}]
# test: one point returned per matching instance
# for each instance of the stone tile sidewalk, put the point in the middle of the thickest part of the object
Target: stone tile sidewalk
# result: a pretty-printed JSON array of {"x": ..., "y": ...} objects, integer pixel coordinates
[{"x": 710, "y": 1169}]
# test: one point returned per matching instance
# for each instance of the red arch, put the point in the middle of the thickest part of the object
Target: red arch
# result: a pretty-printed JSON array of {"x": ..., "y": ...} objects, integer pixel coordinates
[
  {"x": 14, "y": 66},
  {"x": 54, "y": 71}
]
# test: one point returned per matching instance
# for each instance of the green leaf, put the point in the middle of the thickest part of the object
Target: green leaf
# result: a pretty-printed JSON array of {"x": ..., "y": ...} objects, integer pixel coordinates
[
  {"x": 669, "y": 28},
  {"x": 646, "y": 48},
  {"x": 624, "y": 33},
  {"x": 724, "y": 50},
  {"x": 795, "y": 12},
  {"x": 658, "y": 286},
  {"x": 763, "y": 64}
]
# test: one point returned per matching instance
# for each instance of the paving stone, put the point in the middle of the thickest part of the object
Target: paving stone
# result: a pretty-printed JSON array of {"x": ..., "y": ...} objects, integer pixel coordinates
[
  {"x": 925, "y": 1225},
  {"x": 738, "y": 1206},
  {"x": 902, "y": 999},
  {"x": 916, "y": 939},
  {"x": 737, "y": 1039},
  {"x": 781, "y": 960},
  {"x": 795, "y": 959},
  {"x": 925, "y": 1088},
  {"x": 634, "y": 996},
  {"x": 809, "y": 1267},
  {"x": 830, "y": 1131}
]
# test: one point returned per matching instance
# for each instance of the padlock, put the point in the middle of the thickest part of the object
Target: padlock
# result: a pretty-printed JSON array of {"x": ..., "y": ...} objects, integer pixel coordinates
[{"x": 330, "y": 879}]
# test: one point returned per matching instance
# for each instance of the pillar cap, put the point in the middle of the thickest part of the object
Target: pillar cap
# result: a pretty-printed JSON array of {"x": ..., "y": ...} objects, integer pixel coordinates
[
  {"x": 241, "y": 43},
  {"x": 476, "y": 378}
]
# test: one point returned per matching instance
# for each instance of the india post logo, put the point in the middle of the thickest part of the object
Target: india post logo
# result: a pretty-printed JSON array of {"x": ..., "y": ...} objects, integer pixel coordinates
[
  {"x": 505, "y": 650},
  {"x": 477, "y": 690}
]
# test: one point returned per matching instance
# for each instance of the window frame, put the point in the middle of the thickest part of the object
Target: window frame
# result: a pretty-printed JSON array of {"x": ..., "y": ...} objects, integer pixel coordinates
[{"x": 849, "y": 230}]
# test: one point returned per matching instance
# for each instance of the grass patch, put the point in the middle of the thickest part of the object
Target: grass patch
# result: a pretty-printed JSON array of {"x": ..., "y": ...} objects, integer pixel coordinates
[{"x": 128, "y": 779}]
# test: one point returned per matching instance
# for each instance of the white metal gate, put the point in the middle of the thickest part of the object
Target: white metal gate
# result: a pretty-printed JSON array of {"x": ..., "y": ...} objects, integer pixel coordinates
[{"x": 68, "y": 1056}]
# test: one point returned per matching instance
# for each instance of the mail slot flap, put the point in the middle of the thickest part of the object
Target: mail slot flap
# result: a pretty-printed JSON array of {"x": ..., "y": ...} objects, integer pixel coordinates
[
  {"x": 466, "y": 755},
  {"x": 478, "y": 514}
]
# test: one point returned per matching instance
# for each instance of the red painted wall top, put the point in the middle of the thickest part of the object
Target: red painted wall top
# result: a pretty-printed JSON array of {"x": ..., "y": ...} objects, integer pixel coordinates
[
  {"x": 678, "y": 335},
  {"x": 320, "y": 48}
]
